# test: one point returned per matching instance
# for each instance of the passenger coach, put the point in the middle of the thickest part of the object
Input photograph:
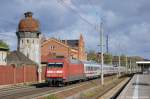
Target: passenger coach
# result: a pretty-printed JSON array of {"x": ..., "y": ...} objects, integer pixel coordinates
[{"x": 61, "y": 71}]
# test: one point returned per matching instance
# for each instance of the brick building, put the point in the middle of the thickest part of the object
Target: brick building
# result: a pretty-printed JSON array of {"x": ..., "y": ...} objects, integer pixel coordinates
[{"x": 73, "y": 49}]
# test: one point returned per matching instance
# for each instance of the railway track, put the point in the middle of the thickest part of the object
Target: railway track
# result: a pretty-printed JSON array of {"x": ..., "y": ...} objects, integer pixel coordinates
[
  {"x": 28, "y": 92},
  {"x": 14, "y": 89},
  {"x": 22, "y": 90}
]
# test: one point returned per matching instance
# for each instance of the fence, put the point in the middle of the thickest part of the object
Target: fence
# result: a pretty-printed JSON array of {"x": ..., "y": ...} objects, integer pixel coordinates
[{"x": 19, "y": 74}]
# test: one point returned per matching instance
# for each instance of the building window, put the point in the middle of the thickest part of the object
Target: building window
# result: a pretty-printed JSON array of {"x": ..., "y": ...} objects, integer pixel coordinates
[
  {"x": 27, "y": 41},
  {"x": 22, "y": 41},
  {"x": 51, "y": 47}
]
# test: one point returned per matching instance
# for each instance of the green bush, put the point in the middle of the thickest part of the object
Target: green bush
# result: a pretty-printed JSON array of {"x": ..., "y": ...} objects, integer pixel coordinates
[
  {"x": 51, "y": 97},
  {"x": 3, "y": 45}
]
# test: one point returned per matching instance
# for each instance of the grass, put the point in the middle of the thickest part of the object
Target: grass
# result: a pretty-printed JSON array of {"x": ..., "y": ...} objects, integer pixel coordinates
[{"x": 51, "y": 97}]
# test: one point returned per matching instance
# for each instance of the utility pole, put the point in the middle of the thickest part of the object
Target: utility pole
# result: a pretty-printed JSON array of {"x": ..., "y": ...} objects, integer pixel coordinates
[
  {"x": 130, "y": 66},
  {"x": 126, "y": 64},
  {"x": 107, "y": 42},
  {"x": 119, "y": 67},
  {"x": 101, "y": 43}
]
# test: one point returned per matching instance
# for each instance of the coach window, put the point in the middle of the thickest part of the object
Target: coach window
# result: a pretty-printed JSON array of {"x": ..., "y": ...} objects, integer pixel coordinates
[
  {"x": 88, "y": 68},
  {"x": 92, "y": 68},
  {"x": 98, "y": 68}
]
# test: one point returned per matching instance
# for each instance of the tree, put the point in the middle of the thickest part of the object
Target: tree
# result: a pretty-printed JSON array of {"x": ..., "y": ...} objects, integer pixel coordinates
[
  {"x": 92, "y": 56},
  {"x": 3, "y": 45},
  {"x": 123, "y": 60},
  {"x": 108, "y": 58}
]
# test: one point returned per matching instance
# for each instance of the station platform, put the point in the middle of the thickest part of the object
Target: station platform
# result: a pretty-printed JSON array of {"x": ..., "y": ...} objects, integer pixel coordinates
[{"x": 137, "y": 88}]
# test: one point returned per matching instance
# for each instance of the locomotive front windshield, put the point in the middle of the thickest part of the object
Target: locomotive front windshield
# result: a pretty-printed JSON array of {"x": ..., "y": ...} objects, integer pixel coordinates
[{"x": 55, "y": 65}]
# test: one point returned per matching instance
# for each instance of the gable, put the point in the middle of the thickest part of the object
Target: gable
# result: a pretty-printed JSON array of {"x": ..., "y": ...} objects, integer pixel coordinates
[{"x": 55, "y": 41}]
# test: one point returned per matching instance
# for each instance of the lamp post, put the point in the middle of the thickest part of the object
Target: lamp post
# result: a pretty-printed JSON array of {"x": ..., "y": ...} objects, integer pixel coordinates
[
  {"x": 126, "y": 64},
  {"x": 119, "y": 67},
  {"x": 102, "y": 61}
]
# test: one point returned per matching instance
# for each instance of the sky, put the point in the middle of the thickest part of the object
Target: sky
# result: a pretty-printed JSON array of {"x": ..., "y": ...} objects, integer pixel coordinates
[{"x": 126, "y": 22}]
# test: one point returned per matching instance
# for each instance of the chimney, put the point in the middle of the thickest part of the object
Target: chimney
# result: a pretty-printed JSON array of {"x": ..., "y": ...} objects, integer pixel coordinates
[{"x": 28, "y": 14}]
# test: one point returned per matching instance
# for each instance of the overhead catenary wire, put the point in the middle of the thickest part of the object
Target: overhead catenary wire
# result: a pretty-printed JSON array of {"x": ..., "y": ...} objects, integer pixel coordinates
[
  {"x": 7, "y": 35},
  {"x": 94, "y": 26},
  {"x": 76, "y": 12}
]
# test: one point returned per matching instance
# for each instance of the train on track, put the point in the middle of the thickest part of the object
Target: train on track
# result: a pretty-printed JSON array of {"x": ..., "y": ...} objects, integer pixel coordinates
[{"x": 61, "y": 71}]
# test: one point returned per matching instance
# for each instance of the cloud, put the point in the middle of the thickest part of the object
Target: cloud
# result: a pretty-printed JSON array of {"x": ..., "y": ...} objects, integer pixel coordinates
[{"x": 127, "y": 22}]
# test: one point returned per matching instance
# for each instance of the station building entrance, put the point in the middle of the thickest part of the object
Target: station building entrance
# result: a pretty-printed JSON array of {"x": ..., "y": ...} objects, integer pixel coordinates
[{"x": 144, "y": 66}]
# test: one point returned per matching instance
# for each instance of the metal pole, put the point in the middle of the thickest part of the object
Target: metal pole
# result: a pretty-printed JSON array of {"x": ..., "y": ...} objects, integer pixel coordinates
[
  {"x": 119, "y": 67},
  {"x": 39, "y": 62},
  {"x": 130, "y": 66},
  {"x": 102, "y": 61},
  {"x": 126, "y": 64},
  {"x": 107, "y": 48}
]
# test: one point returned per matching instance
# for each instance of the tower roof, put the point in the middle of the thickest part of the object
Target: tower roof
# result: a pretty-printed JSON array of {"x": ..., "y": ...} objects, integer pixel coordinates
[{"x": 28, "y": 24}]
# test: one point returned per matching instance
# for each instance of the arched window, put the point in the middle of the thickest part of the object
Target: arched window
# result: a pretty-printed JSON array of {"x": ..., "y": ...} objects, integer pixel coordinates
[{"x": 27, "y": 41}]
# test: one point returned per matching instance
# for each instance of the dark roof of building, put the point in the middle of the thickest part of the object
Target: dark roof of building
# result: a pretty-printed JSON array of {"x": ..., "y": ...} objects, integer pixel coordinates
[
  {"x": 72, "y": 43},
  {"x": 28, "y": 24},
  {"x": 18, "y": 59}
]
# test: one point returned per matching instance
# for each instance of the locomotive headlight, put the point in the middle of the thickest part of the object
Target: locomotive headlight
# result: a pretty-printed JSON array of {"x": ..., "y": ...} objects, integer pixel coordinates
[
  {"x": 59, "y": 71},
  {"x": 49, "y": 71}
]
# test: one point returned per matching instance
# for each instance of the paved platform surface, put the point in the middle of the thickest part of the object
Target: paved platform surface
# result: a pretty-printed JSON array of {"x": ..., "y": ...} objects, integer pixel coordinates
[{"x": 137, "y": 88}]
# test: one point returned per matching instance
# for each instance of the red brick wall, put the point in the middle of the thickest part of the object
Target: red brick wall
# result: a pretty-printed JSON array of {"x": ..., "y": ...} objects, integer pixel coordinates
[
  {"x": 43, "y": 72},
  {"x": 30, "y": 70},
  {"x": 59, "y": 49},
  {"x": 19, "y": 74},
  {"x": 6, "y": 75}
]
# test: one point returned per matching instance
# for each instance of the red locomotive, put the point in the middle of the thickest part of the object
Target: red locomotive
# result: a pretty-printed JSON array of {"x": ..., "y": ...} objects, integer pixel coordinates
[{"x": 61, "y": 71}]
